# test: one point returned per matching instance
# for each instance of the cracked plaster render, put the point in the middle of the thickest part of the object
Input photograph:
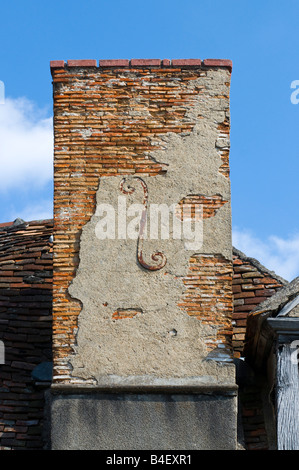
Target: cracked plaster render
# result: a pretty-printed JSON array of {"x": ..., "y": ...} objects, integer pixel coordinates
[{"x": 109, "y": 276}]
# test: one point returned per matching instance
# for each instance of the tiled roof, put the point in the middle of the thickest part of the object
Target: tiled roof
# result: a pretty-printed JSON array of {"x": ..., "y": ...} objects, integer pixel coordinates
[
  {"x": 25, "y": 329},
  {"x": 253, "y": 283},
  {"x": 258, "y": 337}
]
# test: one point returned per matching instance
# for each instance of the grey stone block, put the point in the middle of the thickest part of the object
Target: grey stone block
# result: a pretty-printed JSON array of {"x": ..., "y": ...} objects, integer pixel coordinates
[{"x": 132, "y": 421}]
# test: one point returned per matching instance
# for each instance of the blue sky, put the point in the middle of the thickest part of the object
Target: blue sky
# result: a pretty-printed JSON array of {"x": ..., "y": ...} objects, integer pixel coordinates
[{"x": 260, "y": 37}]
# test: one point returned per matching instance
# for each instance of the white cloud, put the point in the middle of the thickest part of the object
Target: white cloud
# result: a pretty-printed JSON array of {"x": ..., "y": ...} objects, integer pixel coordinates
[
  {"x": 275, "y": 253},
  {"x": 26, "y": 145},
  {"x": 35, "y": 211}
]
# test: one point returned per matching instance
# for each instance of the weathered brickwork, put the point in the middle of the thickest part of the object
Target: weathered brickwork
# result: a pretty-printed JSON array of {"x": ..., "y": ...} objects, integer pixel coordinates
[
  {"x": 25, "y": 329},
  {"x": 208, "y": 296},
  {"x": 101, "y": 129},
  {"x": 208, "y": 204},
  {"x": 252, "y": 284}
]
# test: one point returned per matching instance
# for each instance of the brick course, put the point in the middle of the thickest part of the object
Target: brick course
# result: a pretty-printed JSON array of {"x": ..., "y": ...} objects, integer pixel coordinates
[
  {"x": 143, "y": 62},
  {"x": 208, "y": 295}
]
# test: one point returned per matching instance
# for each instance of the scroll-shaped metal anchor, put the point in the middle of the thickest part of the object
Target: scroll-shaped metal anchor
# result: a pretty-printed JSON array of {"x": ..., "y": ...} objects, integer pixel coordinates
[{"x": 159, "y": 257}]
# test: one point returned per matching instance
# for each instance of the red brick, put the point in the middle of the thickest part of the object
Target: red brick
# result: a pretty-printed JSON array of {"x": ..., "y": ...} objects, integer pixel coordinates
[
  {"x": 218, "y": 63},
  {"x": 237, "y": 261},
  {"x": 257, "y": 432},
  {"x": 248, "y": 412},
  {"x": 186, "y": 62},
  {"x": 254, "y": 300},
  {"x": 54, "y": 64},
  {"x": 242, "y": 295},
  {"x": 240, "y": 315},
  {"x": 6, "y": 273},
  {"x": 114, "y": 63},
  {"x": 244, "y": 308},
  {"x": 145, "y": 62},
  {"x": 236, "y": 289},
  {"x": 82, "y": 63}
]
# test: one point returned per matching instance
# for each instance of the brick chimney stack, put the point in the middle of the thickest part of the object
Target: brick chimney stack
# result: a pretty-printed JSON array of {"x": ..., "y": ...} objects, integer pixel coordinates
[{"x": 143, "y": 299}]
